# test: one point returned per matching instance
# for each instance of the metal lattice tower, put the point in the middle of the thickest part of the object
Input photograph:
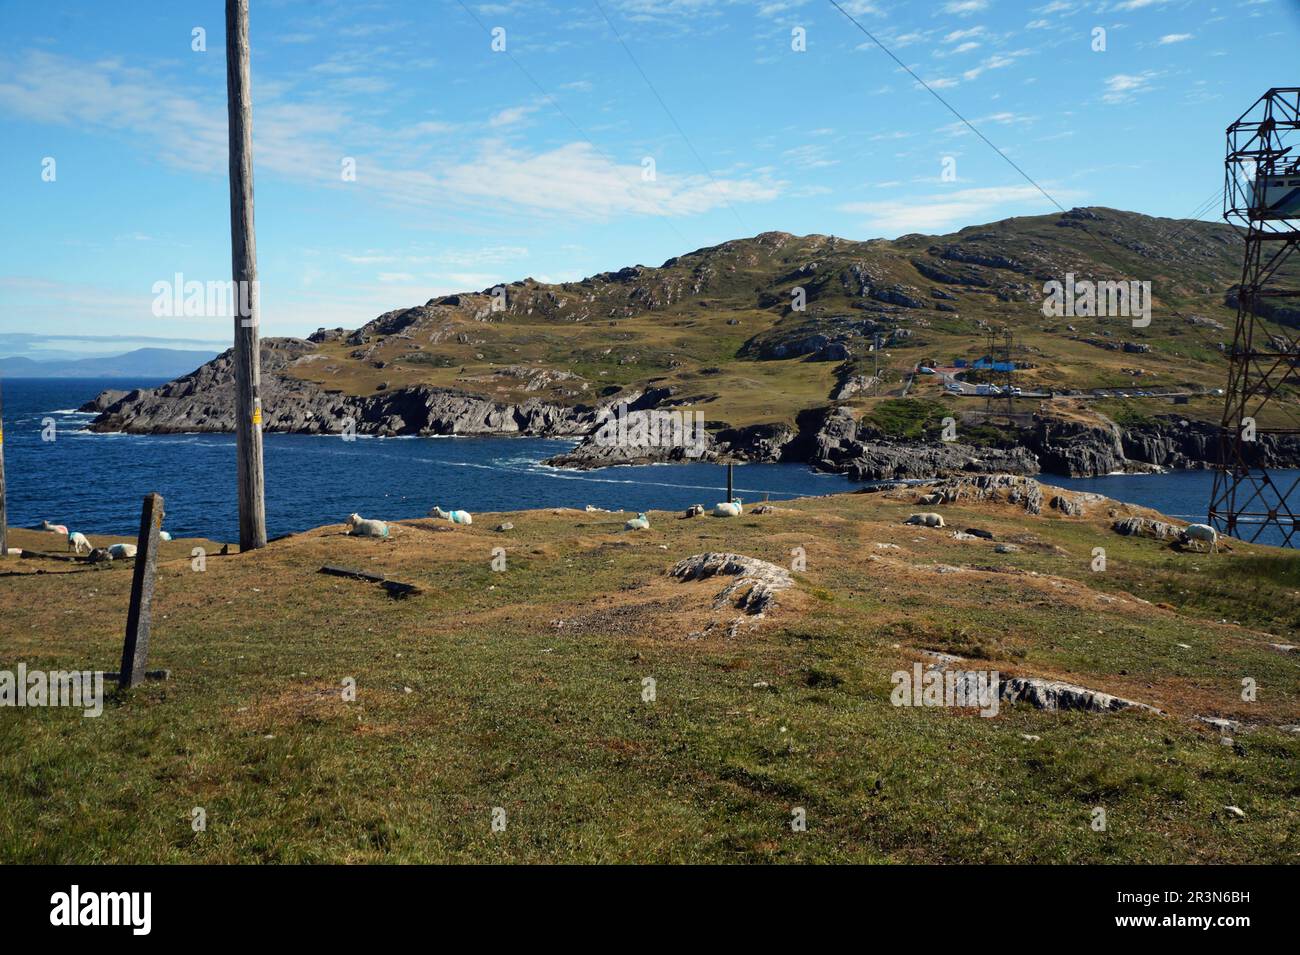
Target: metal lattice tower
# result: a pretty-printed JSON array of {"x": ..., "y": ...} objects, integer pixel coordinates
[{"x": 1262, "y": 193}]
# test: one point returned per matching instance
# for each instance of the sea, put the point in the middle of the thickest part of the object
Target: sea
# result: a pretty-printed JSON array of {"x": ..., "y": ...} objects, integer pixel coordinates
[{"x": 58, "y": 470}]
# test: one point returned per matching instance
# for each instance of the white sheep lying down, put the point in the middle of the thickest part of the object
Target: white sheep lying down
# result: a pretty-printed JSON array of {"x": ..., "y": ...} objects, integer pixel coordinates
[
  {"x": 730, "y": 508},
  {"x": 926, "y": 519},
  {"x": 638, "y": 523},
  {"x": 358, "y": 526},
  {"x": 121, "y": 551},
  {"x": 456, "y": 517},
  {"x": 1201, "y": 533}
]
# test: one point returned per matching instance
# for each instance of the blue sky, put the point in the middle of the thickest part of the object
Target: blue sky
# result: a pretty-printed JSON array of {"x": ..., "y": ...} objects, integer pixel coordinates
[{"x": 475, "y": 166}]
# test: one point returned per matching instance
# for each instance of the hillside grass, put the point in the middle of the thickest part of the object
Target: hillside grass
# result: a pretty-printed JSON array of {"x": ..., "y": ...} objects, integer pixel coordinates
[{"x": 523, "y": 690}]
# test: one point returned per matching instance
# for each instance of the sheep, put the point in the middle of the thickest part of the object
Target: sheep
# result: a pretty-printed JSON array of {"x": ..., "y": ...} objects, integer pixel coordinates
[
  {"x": 164, "y": 536},
  {"x": 121, "y": 551},
  {"x": 695, "y": 510},
  {"x": 1200, "y": 533},
  {"x": 76, "y": 541},
  {"x": 456, "y": 517},
  {"x": 56, "y": 528},
  {"x": 638, "y": 523},
  {"x": 358, "y": 526},
  {"x": 926, "y": 519},
  {"x": 728, "y": 508}
]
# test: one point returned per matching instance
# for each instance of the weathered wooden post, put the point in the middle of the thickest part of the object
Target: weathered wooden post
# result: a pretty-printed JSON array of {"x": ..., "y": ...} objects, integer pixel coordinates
[
  {"x": 135, "y": 648},
  {"x": 4, "y": 514},
  {"x": 243, "y": 256}
]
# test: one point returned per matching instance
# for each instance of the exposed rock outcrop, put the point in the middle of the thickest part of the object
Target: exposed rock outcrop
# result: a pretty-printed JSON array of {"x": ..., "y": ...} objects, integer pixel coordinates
[
  {"x": 754, "y": 588},
  {"x": 845, "y": 446},
  {"x": 204, "y": 400}
]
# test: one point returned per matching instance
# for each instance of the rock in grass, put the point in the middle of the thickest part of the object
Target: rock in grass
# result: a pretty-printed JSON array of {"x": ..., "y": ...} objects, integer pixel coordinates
[
  {"x": 506, "y": 526},
  {"x": 1055, "y": 695},
  {"x": 1146, "y": 527},
  {"x": 1066, "y": 506},
  {"x": 1220, "y": 724},
  {"x": 756, "y": 585}
]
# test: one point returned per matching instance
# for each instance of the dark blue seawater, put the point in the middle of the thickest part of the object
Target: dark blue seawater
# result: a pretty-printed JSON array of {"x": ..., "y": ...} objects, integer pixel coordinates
[
  {"x": 94, "y": 482},
  {"x": 1181, "y": 494}
]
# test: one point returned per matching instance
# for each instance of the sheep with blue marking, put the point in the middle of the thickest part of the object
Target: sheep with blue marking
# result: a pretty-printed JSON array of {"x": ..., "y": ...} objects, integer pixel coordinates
[
  {"x": 730, "y": 508},
  {"x": 638, "y": 523},
  {"x": 76, "y": 541},
  {"x": 456, "y": 517}
]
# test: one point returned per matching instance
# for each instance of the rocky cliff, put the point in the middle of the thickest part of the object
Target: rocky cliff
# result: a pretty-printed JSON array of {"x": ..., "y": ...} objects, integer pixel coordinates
[{"x": 204, "y": 400}]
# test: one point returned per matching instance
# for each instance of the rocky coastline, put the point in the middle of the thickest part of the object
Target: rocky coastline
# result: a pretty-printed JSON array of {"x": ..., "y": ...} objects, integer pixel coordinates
[{"x": 829, "y": 438}]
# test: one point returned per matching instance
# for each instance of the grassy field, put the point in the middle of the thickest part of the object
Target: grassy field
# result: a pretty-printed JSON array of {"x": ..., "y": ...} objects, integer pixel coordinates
[{"x": 523, "y": 690}]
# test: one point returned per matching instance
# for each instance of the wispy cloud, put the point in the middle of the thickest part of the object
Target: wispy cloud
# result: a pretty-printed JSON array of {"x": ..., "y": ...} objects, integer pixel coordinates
[
  {"x": 305, "y": 143},
  {"x": 941, "y": 211},
  {"x": 1123, "y": 87}
]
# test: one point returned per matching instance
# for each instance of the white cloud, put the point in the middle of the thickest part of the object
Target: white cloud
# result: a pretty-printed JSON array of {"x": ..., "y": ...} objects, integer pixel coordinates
[
  {"x": 512, "y": 115},
  {"x": 941, "y": 211},
  {"x": 1174, "y": 38},
  {"x": 965, "y": 7},
  {"x": 303, "y": 142},
  {"x": 1122, "y": 87}
]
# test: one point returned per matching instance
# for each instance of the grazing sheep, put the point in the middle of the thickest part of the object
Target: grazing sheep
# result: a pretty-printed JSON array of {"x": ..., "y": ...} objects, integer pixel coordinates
[
  {"x": 358, "y": 526},
  {"x": 77, "y": 540},
  {"x": 56, "y": 528},
  {"x": 638, "y": 523},
  {"x": 456, "y": 517},
  {"x": 121, "y": 551},
  {"x": 728, "y": 508},
  {"x": 927, "y": 519},
  {"x": 1200, "y": 533}
]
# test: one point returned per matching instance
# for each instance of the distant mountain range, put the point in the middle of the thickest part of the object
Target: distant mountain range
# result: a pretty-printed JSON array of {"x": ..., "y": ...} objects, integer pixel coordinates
[{"x": 140, "y": 363}]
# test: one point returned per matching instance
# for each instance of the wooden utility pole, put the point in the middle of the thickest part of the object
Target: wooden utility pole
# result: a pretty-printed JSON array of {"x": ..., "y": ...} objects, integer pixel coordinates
[
  {"x": 135, "y": 648},
  {"x": 243, "y": 256},
  {"x": 4, "y": 515},
  {"x": 730, "y": 483}
]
